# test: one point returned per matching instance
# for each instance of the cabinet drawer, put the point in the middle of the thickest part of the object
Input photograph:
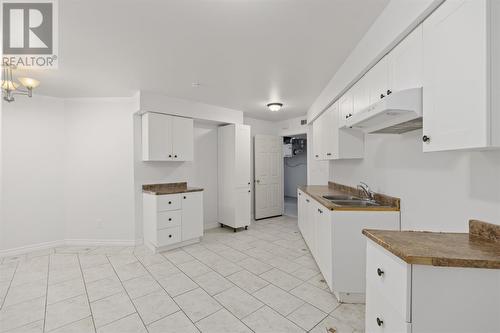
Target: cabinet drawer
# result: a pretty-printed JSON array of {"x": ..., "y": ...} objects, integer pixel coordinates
[
  {"x": 168, "y": 219},
  {"x": 169, "y": 202},
  {"x": 381, "y": 317},
  {"x": 390, "y": 277},
  {"x": 168, "y": 236}
]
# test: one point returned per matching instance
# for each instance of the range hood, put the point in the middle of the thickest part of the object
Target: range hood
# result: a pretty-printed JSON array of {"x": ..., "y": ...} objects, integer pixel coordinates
[{"x": 397, "y": 113}]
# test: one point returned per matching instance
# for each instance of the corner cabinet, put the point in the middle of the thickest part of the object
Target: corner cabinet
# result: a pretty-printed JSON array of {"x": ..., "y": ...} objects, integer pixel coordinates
[
  {"x": 234, "y": 186},
  {"x": 461, "y": 104},
  {"x": 167, "y": 138},
  {"x": 330, "y": 142},
  {"x": 172, "y": 220}
]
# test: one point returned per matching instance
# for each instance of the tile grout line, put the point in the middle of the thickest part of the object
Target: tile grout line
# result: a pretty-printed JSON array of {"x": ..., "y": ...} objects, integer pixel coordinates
[
  {"x": 46, "y": 294},
  {"x": 161, "y": 286},
  {"x": 126, "y": 292},
  {"x": 10, "y": 285},
  {"x": 86, "y": 293},
  {"x": 200, "y": 287}
]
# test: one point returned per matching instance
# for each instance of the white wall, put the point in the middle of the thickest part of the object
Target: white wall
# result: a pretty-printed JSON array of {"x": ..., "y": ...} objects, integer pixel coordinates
[
  {"x": 68, "y": 171},
  {"x": 100, "y": 169},
  {"x": 202, "y": 172},
  {"x": 33, "y": 166},
  {"x": 439, "y": 191},
  {"x": 393, "y": 24}
]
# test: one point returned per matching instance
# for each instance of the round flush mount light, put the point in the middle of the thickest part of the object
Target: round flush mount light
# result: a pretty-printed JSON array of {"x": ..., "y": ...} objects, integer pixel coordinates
[{"x": 274, "y": 107}]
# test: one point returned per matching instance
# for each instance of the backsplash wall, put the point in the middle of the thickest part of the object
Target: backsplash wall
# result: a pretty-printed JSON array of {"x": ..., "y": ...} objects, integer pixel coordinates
[{"x": 439, "y": 191}]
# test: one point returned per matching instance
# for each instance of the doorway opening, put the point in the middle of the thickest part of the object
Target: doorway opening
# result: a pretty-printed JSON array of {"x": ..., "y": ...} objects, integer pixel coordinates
[{"x": 295, "y": 170}]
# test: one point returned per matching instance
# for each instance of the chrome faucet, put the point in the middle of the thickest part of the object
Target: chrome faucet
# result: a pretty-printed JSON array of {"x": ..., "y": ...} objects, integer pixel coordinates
[{"x": 366, "y": 190}]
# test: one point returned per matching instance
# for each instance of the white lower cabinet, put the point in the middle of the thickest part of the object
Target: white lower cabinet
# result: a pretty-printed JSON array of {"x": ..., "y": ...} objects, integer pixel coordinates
[
  {"x": 337, "y": 245},
  {"x": 172, "y": 220},
  {"x": 421, "y": 299}
]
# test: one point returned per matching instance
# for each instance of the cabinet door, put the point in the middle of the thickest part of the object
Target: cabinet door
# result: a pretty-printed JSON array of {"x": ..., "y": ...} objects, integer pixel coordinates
[
  {"x": 313, "y": 221},
  {"x": 156, "y": 137},
  {"x": 243, "y": 199},
  {"x": 345, "y": 107},
  {"x": 192, "y": 215},
  {"x": 182, "y": 139},
  {"x": 309, "y": 225},
  {"x": 301, "y": 211},
  {"x": 377, "y": 80},
  {"x": 318, "y": 137},
  {"x": 360, "y": 95},
  {"x": 324, "y": 246},
  {"x": 242, "y": 156},
  {"x": 455, "y": 99},
  {"x": 330, "y": 133},
  {"x": 405, "y": 62}
]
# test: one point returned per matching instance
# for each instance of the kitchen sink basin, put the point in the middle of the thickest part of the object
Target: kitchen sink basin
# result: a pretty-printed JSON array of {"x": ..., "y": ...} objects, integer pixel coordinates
[
  {"x": 341, "y": 197},
  {"x": 356, "y": 203}
]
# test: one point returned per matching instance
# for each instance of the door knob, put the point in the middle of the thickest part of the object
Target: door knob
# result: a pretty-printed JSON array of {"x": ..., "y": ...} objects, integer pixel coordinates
[
  {"x": 379, "y": 321},
  {"x": 382, "y": 95},
  {"x": 257, "y": 181},
  {"x": 389, "y": 91},
  {"x": 426, "y": 139}
]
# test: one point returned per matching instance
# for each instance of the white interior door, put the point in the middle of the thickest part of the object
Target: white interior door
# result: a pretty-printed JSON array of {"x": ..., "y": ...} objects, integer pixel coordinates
[{"x": 268, "y": 170}]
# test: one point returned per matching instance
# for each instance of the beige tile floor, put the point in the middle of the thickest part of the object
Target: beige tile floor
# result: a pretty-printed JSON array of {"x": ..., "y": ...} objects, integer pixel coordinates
[{"x": 260, "y": 280}]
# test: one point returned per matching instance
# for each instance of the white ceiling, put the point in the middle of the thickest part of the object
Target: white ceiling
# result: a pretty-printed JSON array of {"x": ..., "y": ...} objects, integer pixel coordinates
[{"x": 245, "y": 53}]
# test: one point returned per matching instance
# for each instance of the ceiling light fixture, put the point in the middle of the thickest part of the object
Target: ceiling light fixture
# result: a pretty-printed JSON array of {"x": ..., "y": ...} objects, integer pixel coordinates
[
  {"x": 10, "y": 87},
  {"x": 274, "y": 107}
]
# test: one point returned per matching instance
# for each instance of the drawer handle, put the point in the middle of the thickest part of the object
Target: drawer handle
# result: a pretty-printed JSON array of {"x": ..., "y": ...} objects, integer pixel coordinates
[
  {"x": 380, "y": 272},
  {"x": 169, "y": 155},
  {"x": 170, "y": 219},
  {"x": 170, "y": 202},
  {"x": 380, "y": 322},
  {"x": 320, "y": 211},
  {"x": 169, "y": 236},
  {"x": 184, "y": 197},
  {"x": 175, "y": 156},
  {"x": 307, "y": 200}
]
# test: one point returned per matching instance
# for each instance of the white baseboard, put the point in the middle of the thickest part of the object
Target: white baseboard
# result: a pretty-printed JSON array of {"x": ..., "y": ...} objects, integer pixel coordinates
[
  {"x": 100, "y": 242},
  {"x": 68, "y": 242},
  {"x": 30, "y": 248},
  {"x": 211, "y": 225}
]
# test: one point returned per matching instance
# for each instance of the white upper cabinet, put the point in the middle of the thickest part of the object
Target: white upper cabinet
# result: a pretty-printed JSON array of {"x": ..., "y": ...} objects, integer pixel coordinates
[
  {"x": 377, "y": 81},
  {"x": 156, "y": 137},
  {"x": 331, "y": 142},
  {"x": 461, "y": 76},
  {"x": 360, "y": 95},
  {"x": 166, "y": 138},
  {"x": 346, "y": 107},
  {"x": 317, "y": 137},
  {"x": 182, "y": 139},
  {"x": 405, "y": 63}
]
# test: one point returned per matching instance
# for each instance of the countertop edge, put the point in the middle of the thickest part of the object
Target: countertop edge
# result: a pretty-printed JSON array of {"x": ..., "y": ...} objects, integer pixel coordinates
[
  {"x": 174, "y": 192},
  {"x": 433, "y": 260}
]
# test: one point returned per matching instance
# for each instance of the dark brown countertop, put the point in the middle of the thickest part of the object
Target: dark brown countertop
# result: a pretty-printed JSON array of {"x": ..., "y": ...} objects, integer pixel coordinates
[
  {"x": 318, "y": 191},
  {"x": 480, "y": 248},
  {"x": 168, "y": 188}
]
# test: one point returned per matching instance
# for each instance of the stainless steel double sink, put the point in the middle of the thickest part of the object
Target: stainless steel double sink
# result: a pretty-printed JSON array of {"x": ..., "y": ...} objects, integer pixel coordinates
[{"x": 351, "y": 201}]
